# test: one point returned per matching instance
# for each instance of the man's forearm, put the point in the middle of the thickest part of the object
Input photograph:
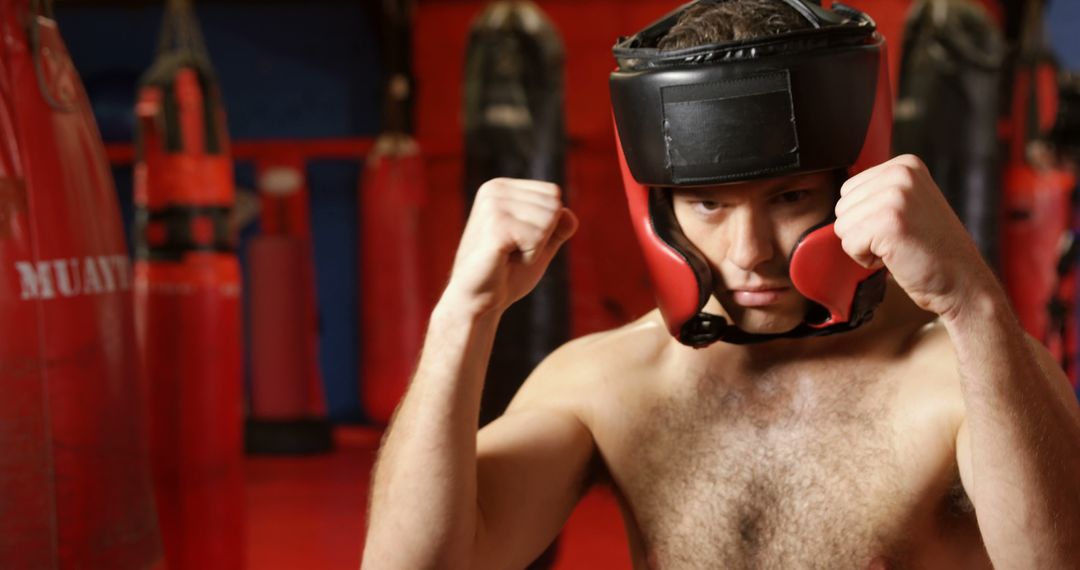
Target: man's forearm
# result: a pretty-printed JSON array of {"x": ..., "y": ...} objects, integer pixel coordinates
[
  {"x": 423, "y": 504},
  {"x": 1024, "y": 440}
]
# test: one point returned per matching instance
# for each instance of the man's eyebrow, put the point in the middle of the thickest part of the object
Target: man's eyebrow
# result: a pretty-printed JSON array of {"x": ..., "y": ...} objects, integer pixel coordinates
[
  {"x": 774, "y": 187},
  {"x": 694, "y": 192},
  {"x": 803, "y": 183}
]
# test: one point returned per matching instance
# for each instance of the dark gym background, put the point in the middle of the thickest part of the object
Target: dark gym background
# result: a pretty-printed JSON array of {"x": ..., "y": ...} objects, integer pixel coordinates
[
  {"x": 301, "y": 70},
  {"x": 291, "y": 69}
]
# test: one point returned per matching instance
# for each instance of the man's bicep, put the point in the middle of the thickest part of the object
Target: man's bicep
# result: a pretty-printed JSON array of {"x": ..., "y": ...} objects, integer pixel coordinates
[
  {"x": 1059, "y": 382},
  {"x": 1060, "y": 387},
  {"x": 963, "y": 459},
  {"x": 532, "y": 468}
]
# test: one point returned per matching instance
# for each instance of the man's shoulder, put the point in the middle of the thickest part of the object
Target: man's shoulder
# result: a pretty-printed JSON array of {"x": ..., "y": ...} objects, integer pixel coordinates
[
  {"x": 922, "y": 355},
  {"x": 927, "y": 381},
  {"x": 907, "y": 335},
  {"x": 636, "y": 343},
  {"x": 581, "y": 367},
  {"x": 931, "y": 344}
]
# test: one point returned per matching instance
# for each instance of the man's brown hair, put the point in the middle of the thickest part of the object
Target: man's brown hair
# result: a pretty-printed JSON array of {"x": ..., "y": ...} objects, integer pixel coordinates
[{"x": 731, "y": 20}]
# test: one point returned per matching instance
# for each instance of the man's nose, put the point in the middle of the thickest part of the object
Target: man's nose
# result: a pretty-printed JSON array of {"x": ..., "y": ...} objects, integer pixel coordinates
[{"x": 751, "y": 239}]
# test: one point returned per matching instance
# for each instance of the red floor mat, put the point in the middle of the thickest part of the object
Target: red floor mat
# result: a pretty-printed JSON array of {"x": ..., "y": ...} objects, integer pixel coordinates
[{"x": 309, "y": 513}]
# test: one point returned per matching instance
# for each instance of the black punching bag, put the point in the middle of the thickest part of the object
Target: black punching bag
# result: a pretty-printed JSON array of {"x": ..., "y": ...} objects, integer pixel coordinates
[
  {"x": 948, "y": 106},
  {"x": 1066, "y": 132},
  {"x": 514, "y": 128}
]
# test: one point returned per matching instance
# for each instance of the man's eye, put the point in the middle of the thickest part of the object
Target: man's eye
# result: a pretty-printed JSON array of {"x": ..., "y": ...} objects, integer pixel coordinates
[
  {"x": 792, "y": 196},
  {"x": 707, "y": 205}
]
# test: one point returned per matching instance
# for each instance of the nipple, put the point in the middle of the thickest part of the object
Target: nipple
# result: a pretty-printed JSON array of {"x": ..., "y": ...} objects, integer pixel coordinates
[{"x": 879, "y": 563}]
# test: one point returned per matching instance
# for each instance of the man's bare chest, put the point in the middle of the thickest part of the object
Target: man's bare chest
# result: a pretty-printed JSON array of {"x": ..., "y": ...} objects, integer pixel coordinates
[{"x": 775, "y": 476}]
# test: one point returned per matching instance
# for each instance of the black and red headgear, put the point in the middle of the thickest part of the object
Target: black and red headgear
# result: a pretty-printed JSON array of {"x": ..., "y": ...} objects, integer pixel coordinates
[{"x": 811, "y": 100}]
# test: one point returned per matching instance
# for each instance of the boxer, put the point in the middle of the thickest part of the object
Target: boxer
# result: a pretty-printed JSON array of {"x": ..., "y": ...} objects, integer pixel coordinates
[{"x": 832, "y": 378}]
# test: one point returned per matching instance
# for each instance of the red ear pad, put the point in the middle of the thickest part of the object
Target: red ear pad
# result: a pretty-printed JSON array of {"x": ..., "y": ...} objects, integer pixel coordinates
[
  {"x": 675, "y": 281},
  {"x": 825, "y": 274},
  {"x": 678, "y": 293}
]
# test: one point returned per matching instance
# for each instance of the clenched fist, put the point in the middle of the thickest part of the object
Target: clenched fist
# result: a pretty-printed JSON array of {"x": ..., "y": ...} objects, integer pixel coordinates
[
  {"x": 513, "y": 231},
  {"x": 894, "y": 215}
]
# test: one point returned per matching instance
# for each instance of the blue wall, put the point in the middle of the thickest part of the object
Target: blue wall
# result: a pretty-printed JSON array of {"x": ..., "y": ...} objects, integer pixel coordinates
[
  {"x": 287, "y": 70},
  {"x": 1063, "y": 23}
]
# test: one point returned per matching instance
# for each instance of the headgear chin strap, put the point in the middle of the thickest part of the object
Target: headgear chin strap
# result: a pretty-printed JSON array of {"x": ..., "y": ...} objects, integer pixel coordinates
[{"x": 810, "y": 100}]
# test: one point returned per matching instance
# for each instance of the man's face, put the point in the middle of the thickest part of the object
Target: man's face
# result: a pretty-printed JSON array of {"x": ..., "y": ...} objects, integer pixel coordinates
[{"x": 746, "y": 231}]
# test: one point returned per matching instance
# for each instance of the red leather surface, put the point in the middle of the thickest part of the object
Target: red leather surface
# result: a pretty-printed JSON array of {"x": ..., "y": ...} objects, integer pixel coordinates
[
  {"x": 1036, "y": 208},
  {"x": 673, "y": 280},
  {"x": 286, "y": 383},
  {"x": 188, "y": 315},
  {"x": 74, "y": 482},
  {"x": 1037, "y": 212},
  {"x": 189, "y": 328},
  {"x": 284, "y": 358},
  {"x": 393, "y": 311},
  {"x": 825, "y": 276}
]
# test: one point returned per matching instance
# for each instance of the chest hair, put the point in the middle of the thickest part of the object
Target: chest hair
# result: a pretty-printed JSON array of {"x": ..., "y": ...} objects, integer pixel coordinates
[{"x": 791, "y": 469}]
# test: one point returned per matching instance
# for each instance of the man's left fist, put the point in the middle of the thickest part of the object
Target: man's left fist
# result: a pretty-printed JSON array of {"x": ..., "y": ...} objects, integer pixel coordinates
[{"x": 894, "y": 215}]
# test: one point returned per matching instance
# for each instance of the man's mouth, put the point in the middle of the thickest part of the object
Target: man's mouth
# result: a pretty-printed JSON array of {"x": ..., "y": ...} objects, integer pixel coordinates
[{"x": 758, "y": 296}]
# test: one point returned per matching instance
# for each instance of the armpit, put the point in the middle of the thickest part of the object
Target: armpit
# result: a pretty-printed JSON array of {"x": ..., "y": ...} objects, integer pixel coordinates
[{"x": 957, "y": 501}]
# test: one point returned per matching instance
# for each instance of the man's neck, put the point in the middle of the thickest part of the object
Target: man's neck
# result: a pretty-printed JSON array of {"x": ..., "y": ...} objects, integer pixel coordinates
[{"x": 894, "y": 320}]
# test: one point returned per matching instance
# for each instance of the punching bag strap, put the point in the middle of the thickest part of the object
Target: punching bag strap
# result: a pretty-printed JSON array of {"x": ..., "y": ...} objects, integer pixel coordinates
[
  {"x": 42, "y": 9},
  {"x": 1033, "y": 34},
  {"x": 180, "y": 32},
  {"x": 181, "y": 47},
  {"x": 398, "y": 95}
]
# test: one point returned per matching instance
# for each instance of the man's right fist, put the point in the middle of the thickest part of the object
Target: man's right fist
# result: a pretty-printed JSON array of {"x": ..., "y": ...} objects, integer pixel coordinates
[{"x": 514, "y": 229}]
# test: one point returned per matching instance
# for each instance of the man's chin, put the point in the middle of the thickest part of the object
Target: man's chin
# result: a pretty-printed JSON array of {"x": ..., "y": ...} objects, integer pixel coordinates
[
  {"x": 769, "y": 328},
  {"x": 761, "y": 322}
]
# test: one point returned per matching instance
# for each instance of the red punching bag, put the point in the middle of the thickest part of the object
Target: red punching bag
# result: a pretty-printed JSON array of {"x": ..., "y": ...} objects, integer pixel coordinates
[
  {"x": 187, "y": 293},
  {"x": 1036, "y": 218},
  {"x": 75, "y": 486},
  {"x": 288, "y": 408},
  {"x": 393, "y": 310},
  {"x": 1036, "y": 193}
]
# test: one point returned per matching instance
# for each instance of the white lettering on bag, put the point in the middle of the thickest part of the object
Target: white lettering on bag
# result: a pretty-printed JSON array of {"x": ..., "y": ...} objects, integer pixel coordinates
[{"x": 71, "y": 277}]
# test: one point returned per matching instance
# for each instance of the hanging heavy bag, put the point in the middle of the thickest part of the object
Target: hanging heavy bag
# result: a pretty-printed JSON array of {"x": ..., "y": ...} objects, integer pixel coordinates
[
  {"x": 187, "y": 292},
  {"x": 514, "y": 128},
  {"x": 393, "y": 313},
  {"x": 393, "y": 310},
  {"x": 1065, "y": 137},
  {"x": 947, "y": 109},
  {"x": 75, "y": 486},
  {"x": 1065, "y": 134},
  {"x": 287, "y": 415},
  {"x": 1036, "y": 198}
]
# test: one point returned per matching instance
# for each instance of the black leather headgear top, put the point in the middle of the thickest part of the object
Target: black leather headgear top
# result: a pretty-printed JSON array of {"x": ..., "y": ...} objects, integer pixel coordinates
[{"x": 810, "y": 100}]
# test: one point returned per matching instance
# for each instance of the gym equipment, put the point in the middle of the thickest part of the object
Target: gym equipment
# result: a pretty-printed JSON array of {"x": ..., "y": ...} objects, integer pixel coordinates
[
  {"x": 187, "y": 299},
  {"x": 514, "y": 127},
  {"x": 1037, "y": 193},
  {"x": 947, "y": 109},
  {"x": 393, "y": 311},
  {"x": 288, "y": 408},
  {"x": 75, "y": 483}
]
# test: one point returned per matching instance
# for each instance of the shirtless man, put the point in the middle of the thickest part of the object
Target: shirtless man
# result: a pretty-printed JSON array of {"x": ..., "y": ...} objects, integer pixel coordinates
[{"x": 936, "y": 436}]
